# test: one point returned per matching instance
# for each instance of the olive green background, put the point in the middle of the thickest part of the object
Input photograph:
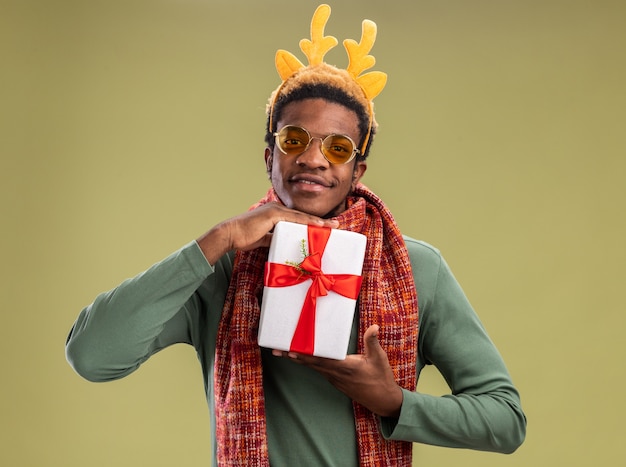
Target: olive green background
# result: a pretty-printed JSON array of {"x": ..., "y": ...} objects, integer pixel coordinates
[{"x": 130, "y": 127}]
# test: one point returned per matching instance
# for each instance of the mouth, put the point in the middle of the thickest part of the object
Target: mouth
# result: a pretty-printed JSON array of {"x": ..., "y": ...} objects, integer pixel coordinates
[{"x": 309, "y": 180}]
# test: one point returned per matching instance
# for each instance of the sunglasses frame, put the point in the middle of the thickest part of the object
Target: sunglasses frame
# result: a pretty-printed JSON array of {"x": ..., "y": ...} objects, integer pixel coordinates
[{"x": 355, "y": 150}]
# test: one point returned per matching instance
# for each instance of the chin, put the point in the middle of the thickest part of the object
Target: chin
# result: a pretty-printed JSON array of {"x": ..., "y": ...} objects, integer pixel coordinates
[
  {"x": 324, "y": 208},
  {"x": 325, "y": 212}
]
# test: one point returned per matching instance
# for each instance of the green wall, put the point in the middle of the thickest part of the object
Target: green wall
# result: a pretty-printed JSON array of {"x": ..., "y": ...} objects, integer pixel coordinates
[{"x": 128, "y": 128}]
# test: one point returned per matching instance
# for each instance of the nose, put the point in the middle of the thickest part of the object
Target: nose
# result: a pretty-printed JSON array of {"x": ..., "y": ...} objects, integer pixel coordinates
[{"x": 313, "y": 157}]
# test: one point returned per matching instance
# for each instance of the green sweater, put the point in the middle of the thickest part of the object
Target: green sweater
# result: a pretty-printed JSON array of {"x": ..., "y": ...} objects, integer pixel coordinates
[{"x": 309, "y": 422}]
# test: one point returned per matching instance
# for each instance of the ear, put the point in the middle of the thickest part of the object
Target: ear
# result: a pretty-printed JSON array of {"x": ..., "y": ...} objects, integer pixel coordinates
[
  {"x": 269, "y": 159},
  {"x": 359, "y": 170}
]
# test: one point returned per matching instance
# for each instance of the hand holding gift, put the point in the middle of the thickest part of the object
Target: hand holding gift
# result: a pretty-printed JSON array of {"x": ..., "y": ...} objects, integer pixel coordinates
[
  {"x": 365, "y": 378},
  {"x": 252, "y": 229}
]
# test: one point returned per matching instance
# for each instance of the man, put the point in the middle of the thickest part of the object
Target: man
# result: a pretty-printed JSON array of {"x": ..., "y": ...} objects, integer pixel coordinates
[{"x": 283, "y": 408}]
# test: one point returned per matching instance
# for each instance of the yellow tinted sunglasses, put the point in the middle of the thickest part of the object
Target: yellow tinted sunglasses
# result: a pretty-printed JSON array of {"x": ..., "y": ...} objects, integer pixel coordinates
[{"x": 294, "y": 140}]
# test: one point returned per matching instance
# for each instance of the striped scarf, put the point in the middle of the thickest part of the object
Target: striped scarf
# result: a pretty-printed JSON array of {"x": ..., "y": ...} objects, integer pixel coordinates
[{"x": 388, "y": 298}]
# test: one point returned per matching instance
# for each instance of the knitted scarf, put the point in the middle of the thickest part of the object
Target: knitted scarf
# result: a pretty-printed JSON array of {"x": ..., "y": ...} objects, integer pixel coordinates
[{"x": 388, "y": 298}]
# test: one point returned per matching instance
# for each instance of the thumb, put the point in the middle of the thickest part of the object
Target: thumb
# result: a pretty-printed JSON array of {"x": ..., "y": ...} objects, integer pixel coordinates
[
  {"x": 371, "y": 346},
  {"x": 266, "y": 240}
]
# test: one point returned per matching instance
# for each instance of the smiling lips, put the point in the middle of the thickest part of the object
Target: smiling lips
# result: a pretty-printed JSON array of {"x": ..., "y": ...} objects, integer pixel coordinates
[{"x": 309, "y": 179}]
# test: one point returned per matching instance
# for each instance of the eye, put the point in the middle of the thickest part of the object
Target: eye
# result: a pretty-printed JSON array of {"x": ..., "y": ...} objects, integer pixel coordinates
[
  {"x": 289, "y": 141},
  {"x": 339, "y": 144},
  {"x": 294, "y": 137},
  {"x": 339, "y": 148}
]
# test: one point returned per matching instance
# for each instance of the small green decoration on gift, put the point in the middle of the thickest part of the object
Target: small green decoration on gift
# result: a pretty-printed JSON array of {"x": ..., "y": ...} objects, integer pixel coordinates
[{"x": 305, "y": 253}]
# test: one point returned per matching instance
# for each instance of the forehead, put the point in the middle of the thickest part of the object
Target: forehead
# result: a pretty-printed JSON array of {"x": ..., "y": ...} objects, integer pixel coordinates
[{"x": 321, "y": 117}]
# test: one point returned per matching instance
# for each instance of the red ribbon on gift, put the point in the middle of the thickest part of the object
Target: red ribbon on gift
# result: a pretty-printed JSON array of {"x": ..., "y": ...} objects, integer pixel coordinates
[{"x": 284, "y": 275}]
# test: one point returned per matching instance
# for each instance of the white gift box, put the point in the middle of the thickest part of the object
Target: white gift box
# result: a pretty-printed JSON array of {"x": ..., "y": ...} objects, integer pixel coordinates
[{"x": 289, "y": 283}]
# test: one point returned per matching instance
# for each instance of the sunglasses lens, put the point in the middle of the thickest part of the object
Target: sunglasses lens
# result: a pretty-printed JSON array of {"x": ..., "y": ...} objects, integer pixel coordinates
[
  {"x": 293, "y": 140},
  {"x": 338, "y": 149}
]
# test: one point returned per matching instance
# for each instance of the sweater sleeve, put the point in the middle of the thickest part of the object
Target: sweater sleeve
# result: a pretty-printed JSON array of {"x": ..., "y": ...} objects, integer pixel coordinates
[
  {"x": 483, "y": 411},
  {"x": 123, "y": 327}
]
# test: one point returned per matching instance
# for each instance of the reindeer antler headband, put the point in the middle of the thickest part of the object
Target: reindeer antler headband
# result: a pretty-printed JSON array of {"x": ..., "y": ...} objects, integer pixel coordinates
[{"x": 362, "y": 87}]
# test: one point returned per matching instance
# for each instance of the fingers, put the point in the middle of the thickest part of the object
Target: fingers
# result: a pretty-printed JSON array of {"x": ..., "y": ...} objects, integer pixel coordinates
[
  {"x": 253, "y": 229},
  {"x": 265, "y": 241},
  {"x": 284, "y": 354},
  {"x": 372, "y": 349},
  {"x": 321, "y": 364},
  {"x": 282, "y": 213},
  {"x": 250, "y": 230}
]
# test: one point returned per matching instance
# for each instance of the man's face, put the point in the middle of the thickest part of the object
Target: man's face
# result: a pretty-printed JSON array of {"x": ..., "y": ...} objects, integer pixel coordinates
[{"x": 308, "y": 182}]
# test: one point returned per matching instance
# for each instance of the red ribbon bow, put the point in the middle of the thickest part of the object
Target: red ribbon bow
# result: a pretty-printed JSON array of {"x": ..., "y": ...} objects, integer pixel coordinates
[{"x": 284, "y": 275}]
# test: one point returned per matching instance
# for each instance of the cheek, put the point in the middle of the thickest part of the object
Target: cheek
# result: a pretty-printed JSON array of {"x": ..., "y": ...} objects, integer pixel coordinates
[
  {"x": 350, "y": 177},
  {"x": 346, "y": 183},
  {"x": 276, "y": 175}
]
